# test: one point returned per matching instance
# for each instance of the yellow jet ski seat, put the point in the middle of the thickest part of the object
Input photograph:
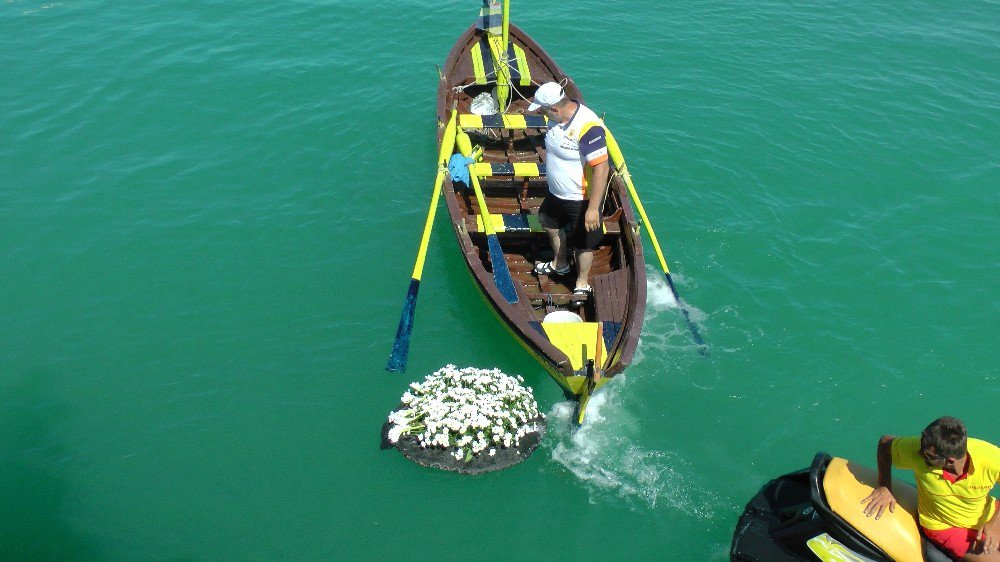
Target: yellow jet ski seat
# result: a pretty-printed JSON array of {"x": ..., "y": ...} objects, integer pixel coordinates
[{"x": 845, "y": 484}]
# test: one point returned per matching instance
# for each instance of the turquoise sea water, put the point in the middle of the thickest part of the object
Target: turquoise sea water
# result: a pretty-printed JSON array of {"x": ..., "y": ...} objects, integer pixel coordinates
[{"x": 208, "y": 218}]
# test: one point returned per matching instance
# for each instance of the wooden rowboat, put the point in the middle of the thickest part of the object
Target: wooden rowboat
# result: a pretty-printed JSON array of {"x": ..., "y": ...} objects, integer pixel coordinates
[
  {"x": 494, "y": 213},
  {"x": 582, "y": 355}
]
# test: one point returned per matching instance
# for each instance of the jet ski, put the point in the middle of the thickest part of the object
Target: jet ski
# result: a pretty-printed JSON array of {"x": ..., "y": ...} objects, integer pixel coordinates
[{"x": 816, "y": 514}]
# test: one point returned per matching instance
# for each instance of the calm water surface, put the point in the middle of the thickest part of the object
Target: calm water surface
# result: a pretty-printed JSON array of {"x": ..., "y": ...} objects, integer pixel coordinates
[{"x": 208, "y": 217}]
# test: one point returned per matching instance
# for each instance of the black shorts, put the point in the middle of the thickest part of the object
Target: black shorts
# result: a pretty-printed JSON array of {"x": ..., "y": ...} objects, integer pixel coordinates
[{"x": 561, "y": 213}]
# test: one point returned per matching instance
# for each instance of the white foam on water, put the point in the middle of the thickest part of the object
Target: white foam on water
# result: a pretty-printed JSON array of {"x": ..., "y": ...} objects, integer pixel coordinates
[
  {"x": 607, "y": 457},
  {"x": 658, "y": 293},
  {"x": 664, "y": 328},
  {"x": 660, "y": 298}
]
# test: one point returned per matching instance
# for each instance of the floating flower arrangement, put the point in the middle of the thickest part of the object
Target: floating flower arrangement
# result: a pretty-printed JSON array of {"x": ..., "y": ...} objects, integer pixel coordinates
[{"x": 467, "y": 420}]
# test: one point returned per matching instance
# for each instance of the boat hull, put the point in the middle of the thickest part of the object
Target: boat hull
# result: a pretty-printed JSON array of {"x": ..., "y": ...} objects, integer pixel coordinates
[{"x": 613, "y": 316}]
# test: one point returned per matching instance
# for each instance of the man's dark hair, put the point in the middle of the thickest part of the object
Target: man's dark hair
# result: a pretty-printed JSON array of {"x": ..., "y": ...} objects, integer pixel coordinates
[{"x": 947, "y": 435}]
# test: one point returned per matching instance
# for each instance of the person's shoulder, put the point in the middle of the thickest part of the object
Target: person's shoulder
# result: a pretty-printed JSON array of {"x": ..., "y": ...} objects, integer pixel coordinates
[
  {"x": 591, "y": 126},
  {"x": 587, "y": 115},
  {"x": 981, "y": 444},
  {"x": 906, "y": 451},
  {"x": 986, "y": 456},
  {"x": 907, "y": 441},
  {"x": 983, "y": 448}
]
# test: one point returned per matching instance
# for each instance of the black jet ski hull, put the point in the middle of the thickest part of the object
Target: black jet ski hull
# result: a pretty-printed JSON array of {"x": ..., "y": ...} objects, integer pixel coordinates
[{"x": 790, "y": 520}]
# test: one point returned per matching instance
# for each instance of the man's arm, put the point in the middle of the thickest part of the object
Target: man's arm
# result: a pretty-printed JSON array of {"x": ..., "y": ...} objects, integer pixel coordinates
[
  {"x": 592, "y": 218},
  {"x": 881, "y": 497},
  {"x": 989, "y": 535}
]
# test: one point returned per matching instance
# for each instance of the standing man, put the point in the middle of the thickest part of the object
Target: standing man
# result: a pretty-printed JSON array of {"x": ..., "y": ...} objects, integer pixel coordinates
[
  {"x": 955, "y": 475},
  {"x": 576, "y": 169}
]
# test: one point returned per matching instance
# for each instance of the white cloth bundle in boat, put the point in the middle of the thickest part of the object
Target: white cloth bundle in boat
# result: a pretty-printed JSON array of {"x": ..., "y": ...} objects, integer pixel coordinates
[{"x": 485, "y": 104}]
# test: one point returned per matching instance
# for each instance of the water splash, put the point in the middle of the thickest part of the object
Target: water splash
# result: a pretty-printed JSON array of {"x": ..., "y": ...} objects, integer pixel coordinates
[
  {"x": 659, "y": 297},
  {"x": 664, "y": 327},
  {"x": 607, "y": 457}
]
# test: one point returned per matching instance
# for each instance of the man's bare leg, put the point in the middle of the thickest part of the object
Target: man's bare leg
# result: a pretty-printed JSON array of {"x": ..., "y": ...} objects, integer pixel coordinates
[
  {"x": 584, "y": 259},
  {"x": 557, "y": 239}
]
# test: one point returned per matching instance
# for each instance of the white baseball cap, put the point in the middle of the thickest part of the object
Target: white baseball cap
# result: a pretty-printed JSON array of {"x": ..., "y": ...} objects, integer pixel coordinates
[{"x": 547, "y": 95}]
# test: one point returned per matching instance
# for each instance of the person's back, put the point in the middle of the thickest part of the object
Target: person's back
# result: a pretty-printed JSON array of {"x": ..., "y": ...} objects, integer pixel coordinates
[{"x": 566, "y": 158}]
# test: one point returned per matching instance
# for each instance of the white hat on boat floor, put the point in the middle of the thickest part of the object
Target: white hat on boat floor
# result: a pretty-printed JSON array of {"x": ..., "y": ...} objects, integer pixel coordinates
[{"x": 547, "y": 95}]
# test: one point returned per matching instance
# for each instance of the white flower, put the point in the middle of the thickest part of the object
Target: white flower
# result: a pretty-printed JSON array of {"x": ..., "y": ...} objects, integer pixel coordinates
[
  {"x": 396, "y": 432},
  {"x": 465, "y": 411}
]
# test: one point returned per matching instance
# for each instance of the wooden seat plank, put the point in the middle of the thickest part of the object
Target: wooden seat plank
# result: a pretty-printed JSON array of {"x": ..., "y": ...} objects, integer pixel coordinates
[
  {"x": 502, "y": 121},
  {"x": 611, "y": 294}
]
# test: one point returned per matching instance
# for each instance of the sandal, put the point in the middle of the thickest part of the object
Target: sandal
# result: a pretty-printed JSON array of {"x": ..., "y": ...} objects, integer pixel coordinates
[
  {"x": 546, "y": 268},
  {"x": 580, "y": 295}
]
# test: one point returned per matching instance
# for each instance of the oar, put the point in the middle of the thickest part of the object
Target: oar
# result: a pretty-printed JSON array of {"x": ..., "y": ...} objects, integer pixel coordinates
[
  {"x": 501, "y": 273},
  {"x": 618, "y": 159},
  {"x": 401, "y": 347}
]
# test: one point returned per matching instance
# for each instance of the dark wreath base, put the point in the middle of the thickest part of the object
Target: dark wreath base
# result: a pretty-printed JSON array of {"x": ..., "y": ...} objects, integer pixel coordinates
[{"x": 482, "y": 463}]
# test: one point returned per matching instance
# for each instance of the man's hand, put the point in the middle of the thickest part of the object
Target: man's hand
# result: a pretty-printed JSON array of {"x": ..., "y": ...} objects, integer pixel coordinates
[
  {"x": 989, "y": 535},
  {"x": 878, "y": 500},
  {"x": 592, "y": 220}
]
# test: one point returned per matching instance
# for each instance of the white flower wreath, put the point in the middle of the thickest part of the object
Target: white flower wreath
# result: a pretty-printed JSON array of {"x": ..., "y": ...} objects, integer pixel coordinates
[{"x": 473, "y": 411}]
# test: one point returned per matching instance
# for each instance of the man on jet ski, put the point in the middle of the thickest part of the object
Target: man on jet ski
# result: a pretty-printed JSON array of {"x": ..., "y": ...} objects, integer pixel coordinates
[{"x": 954, "y": 475}]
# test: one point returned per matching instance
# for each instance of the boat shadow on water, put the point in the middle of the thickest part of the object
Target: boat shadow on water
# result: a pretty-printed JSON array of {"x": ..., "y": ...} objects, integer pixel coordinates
[{"x": 35, "y": 494}]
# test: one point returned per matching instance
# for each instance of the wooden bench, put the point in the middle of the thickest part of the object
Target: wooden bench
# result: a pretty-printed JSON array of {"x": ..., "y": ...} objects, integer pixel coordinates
[
  {"x": 521, "y": 169},
  {"x": 611, "y": 294},
  {"x": 523, "y": 222},
  {"x": 502, "y": 121}
]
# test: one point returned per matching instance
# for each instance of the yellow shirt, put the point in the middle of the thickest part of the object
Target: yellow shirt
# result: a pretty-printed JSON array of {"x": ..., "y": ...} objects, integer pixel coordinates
[{"x": 966, "y": 502}]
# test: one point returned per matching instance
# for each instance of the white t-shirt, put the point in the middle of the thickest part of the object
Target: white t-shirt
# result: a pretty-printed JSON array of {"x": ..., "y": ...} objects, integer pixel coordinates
[{"x": 569, "y": 148}]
